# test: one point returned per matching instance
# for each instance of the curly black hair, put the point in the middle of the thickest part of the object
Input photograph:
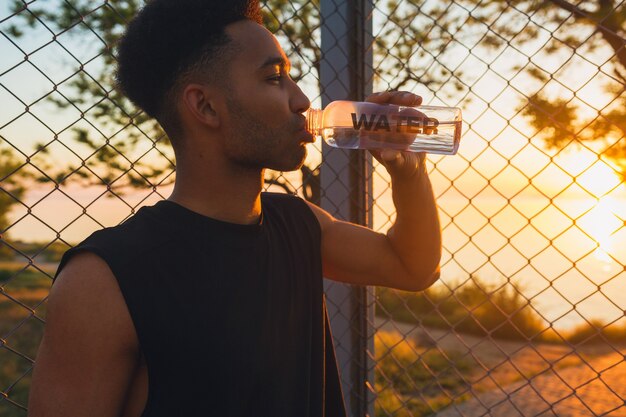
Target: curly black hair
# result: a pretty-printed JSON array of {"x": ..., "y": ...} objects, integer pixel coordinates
[{"x": 171, "y": 42}]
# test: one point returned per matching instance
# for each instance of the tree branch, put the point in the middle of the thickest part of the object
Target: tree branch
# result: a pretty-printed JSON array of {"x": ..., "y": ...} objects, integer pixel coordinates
[
  {"x": 411, "y": 77},
  {"x": 608, "y": 26},
  {"x": 575, "y": 10}
]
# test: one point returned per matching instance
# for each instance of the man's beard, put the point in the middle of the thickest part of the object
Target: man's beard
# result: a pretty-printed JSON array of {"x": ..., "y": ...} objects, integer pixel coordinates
[{"x": 256, "y": 146}]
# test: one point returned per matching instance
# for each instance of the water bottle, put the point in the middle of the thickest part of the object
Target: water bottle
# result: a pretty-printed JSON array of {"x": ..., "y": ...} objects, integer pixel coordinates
[{"x": 362, "y": 125}]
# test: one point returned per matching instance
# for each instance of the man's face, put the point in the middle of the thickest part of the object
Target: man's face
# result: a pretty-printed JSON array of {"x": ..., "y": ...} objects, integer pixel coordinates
[{"x": 264, "y": 127}]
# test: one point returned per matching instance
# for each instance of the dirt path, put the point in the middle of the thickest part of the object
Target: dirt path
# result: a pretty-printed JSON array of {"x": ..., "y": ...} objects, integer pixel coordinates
[
  {"x": 526, "y": 379},
  {"x": 594, "y": 389}
]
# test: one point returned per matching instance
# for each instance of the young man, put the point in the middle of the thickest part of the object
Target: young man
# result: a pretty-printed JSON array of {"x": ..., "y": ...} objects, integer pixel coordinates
[{"x": 210, "y": 303}]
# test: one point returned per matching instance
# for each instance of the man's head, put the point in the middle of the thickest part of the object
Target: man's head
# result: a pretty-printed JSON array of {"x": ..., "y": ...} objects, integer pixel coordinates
[
  {"x": 171, "y": 42},
  {"x": 208, "y": 69}
]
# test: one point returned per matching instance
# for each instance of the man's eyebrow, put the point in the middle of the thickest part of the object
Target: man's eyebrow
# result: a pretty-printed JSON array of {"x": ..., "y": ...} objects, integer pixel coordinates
[{"x": 276, "y": 60}]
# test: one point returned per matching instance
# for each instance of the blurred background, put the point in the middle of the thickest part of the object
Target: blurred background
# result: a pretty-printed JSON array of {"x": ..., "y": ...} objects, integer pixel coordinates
[{"x": 528, "y": 316}]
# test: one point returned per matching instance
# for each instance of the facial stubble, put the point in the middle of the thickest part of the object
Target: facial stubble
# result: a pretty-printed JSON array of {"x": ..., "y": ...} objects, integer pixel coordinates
[{"x": 255, "y": 145}]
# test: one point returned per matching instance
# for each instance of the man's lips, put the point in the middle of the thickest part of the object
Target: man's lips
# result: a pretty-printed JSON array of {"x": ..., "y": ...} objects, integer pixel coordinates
[{"x": 306, "y": 136}]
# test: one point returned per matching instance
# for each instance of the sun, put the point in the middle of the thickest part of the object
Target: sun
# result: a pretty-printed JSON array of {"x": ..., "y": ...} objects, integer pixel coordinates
[{"x": 601, "y": 222}]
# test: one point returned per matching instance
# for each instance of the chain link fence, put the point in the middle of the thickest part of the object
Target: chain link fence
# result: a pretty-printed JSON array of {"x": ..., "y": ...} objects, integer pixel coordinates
[{"x": 528, "y": 316}]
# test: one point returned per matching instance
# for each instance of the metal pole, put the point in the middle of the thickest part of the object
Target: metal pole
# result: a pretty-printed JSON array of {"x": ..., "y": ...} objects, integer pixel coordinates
[{"x": 346, "y": 182}]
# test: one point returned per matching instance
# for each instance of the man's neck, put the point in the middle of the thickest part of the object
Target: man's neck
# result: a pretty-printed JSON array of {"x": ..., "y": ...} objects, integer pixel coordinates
[{"x": 223, "y": 193}]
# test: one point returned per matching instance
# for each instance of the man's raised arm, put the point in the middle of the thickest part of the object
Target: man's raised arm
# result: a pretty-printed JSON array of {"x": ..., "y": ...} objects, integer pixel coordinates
[{"x": 408, "y": 257}]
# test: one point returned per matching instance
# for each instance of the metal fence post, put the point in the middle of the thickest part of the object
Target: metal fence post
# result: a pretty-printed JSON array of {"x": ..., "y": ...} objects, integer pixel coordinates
[{"x": 346, "y": 181}]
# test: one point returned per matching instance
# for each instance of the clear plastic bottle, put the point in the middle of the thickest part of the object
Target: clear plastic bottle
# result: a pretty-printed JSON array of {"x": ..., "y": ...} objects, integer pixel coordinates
[{"x": 362, "y": 125}]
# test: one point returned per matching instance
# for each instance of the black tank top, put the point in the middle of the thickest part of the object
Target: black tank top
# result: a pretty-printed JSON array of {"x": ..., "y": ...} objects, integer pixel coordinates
[{"x": 231, "y": 318}]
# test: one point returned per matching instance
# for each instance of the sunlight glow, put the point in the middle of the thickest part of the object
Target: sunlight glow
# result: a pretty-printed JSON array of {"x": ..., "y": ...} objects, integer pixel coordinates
[
  {"x": 599, "y": 179},
  {"x": 600, "y": 223}
]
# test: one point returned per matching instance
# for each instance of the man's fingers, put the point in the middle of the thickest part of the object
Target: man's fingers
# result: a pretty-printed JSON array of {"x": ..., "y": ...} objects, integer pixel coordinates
[
  {"x": 390, "y": 156},
  {"x": 400, "y": 164},
  {"x": 400, "y": 98},
  {"x": 385, "y": 155},
  {"x": 381, "y": 97}
]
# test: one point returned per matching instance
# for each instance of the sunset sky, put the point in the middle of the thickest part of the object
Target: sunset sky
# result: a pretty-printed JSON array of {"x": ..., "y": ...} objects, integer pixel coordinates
[{"x": 511, "y": 208}]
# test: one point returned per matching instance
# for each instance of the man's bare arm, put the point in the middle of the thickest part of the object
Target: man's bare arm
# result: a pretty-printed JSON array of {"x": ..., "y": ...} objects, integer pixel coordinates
[
  {"x": 357, "y": 255},
  {"x": 89, "y": 349},
  {"x": 408, "y": 257}
]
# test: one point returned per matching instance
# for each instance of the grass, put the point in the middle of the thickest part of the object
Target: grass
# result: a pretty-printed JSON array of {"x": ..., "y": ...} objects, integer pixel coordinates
[
  {"x": 474, "y": 308},
  {"x": 480, "y": 309},
  {"x": 22, "y": 333},
  {"x": 597, "y": 332},
  {"x": 412, "y": 380},
  {"x": 29, "y": 279},
  {"x": 42, "y": 251}
]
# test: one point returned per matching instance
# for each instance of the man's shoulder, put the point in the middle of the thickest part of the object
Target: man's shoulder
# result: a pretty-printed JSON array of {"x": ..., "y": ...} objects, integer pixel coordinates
[
  {"x": 118, "y": 245},
  {"x": 294, "y": 210},
  {"x": 139, "y": 232},
  {"x": 280, "y": 197},
  {"x": 283, "y": 200}
]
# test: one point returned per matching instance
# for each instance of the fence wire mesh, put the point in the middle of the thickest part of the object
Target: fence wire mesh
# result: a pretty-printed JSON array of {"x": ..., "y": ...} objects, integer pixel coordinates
[{"x": 528, "y": 316}]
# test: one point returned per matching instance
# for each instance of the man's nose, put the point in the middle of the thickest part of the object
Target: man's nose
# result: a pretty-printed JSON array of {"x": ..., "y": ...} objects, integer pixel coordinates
[{"x": 299, "y": 101}]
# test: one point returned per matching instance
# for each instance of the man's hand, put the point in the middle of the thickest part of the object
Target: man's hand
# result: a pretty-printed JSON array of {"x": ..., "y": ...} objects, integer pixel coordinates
[{"x": 400, "y": 165}]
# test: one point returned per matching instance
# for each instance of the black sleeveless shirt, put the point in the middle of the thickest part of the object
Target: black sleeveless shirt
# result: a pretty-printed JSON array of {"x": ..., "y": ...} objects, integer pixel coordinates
[{"x": 230, "y": 318}]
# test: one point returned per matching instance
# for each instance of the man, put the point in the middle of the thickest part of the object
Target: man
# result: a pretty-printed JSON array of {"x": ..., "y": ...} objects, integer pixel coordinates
[{"x": 210, "y": 303}]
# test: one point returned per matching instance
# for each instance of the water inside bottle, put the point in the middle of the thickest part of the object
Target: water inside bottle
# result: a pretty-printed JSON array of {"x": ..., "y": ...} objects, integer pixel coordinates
[{"x": 442, "y": 140}]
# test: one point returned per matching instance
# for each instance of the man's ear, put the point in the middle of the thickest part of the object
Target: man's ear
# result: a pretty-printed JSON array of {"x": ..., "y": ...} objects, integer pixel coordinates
[{"x": 199, "y": 102}]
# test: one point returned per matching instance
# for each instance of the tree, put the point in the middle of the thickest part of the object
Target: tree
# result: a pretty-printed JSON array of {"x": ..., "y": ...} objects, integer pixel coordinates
[
  {"x": 12, "y": 189},
  {"x": 415, "y": 34},
  {"x": 94, "y": 95},
  {"x": 581, "y": 28}
]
